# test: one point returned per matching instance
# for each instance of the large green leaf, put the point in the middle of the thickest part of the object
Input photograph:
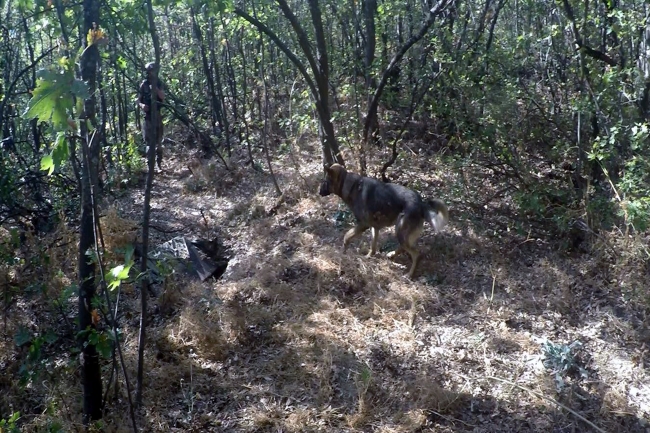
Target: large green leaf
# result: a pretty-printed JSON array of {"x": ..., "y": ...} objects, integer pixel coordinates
[
  {"x": 52, "y": 99},
  {"x": 47, "y": 164},
  {"x": 49, "y": 100}
]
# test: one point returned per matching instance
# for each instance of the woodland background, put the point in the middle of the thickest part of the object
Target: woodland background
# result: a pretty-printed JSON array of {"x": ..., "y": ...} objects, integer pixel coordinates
[{"x": 528, "y": 313}]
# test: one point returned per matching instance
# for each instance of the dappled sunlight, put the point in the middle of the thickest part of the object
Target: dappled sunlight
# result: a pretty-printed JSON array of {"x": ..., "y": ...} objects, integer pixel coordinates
[{"x": 297, "y": 336}]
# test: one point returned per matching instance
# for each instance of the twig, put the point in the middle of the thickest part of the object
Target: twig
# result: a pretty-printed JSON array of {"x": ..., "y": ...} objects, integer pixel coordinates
[
  {"x": 494, "y": 282},
  {"x": 162, "y": 230},
  {"x": 551, "y": 400},
  {"x": 528, "y": 239},
  {"x": 450, "y": 419}
]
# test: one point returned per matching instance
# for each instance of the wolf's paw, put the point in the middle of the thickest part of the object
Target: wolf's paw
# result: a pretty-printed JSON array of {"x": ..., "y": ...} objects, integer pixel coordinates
[{"x": 391, "y": 255}]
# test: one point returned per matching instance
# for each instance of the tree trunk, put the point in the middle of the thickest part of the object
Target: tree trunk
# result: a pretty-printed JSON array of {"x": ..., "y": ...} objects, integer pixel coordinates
[
  {"x": 369, "y": 10},
  {"x": 224, "y": 123},
  {"x": 90, "y": 368},
  {"x": 151, "y": 163},
  {"x": 371, "y": 117},
  {"x": 318, "y": 81},
  {"x": 216, "y": 109}
]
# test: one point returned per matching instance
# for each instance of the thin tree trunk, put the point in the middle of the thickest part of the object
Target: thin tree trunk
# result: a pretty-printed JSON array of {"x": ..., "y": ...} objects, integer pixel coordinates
[
  {"x": 267, "y": 127},
  {"x": 90, "y": 148},
  {"x": 151, "y": 163},
  {"x": 214, "y": 102},
  {"x": 371, "y": 117},
  {"x": 244, "y": 81},
  {"x": 224, "y": 123},
  {"x": 318, "y": 82}
]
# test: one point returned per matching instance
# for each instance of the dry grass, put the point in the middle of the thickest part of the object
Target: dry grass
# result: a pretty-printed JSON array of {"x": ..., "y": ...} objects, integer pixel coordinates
[{"x": 296, "y": 337}]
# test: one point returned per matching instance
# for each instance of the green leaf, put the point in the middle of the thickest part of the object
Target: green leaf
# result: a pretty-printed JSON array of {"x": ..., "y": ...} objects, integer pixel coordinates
[
  {"x": 120, "y": 272},
  {"x": 60, "y": 152},
  {"x": 93, "y": 337},
  {"x": 68, "y": 292},
  {"x": 79, "y": 89},
  {"x": 117, "y": 274},
  {"x": 121, "y": 63},
  {"x": 50, "y": 100},
  {"x": 47, "y": 164},
  {"x": 50, "y": 337},
  {"x": 22, "y": 337},
  {"x": 104, "y": 346},
  {"x": 128, "y": 253}
]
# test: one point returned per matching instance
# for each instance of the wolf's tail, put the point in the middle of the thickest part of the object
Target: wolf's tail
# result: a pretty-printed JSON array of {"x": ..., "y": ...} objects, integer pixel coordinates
[{"x": 437, "y": 214}]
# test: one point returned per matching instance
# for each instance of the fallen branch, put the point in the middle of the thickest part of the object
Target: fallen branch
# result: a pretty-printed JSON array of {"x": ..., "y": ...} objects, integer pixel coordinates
[{"x": 549, "y": 399}]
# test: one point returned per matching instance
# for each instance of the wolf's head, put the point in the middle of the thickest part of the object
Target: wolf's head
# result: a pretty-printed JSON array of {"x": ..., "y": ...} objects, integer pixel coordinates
[{"x": 333, "y": 182}]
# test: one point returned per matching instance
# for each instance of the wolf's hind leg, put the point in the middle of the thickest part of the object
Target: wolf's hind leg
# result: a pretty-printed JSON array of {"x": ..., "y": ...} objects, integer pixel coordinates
[
  {"x": 375, "y": 238},
  {"x": 408, "y": 231}
]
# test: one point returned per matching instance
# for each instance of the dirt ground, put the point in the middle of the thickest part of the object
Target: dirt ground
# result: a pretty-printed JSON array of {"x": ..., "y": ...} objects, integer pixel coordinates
[{"x": 296, "y": 337}]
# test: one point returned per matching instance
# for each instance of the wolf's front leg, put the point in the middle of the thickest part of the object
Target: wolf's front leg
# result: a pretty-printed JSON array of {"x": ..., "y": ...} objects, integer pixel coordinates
[{"x": 351, "y": 234}]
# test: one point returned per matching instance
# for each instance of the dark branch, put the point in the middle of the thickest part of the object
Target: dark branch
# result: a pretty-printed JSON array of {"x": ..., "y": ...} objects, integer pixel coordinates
[
  {"x": 294, "y": 59},
  {"x": 598, "y": 55},
  {"x": 431, "y": 17}
]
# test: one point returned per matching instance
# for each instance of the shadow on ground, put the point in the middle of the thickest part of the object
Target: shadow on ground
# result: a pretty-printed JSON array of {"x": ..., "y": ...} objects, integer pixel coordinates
[{"x": 297, "y": 337}]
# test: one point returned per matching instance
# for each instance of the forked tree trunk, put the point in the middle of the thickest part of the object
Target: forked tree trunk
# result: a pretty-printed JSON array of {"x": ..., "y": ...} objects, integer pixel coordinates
[
  {"x": 318, "y": 80},
  {"x": 371, "y": 117}
]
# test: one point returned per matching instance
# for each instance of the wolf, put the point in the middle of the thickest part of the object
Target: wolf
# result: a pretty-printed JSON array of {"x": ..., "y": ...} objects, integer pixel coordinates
[{"x": 376, "y": 205}]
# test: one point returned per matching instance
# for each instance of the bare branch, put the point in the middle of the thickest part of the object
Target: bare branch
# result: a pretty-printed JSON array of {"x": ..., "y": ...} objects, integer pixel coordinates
[
  {"x": 431, "y": 17},
  {"x": 598, "y": 55},
  {"x": 290, "y": 54}
]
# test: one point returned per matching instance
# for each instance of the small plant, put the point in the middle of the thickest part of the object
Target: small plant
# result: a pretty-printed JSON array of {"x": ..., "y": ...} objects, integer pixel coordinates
[
  {"x": 35, "y": 360},
  {"x": 9, "y": 425},
  {"x": 363, "y": 381},
  {"x": 128, "y": 165},
  {"x": 188, "y": 393},
  {"x": 342, "y": 217},
  {"x": 561, "y": 360}
]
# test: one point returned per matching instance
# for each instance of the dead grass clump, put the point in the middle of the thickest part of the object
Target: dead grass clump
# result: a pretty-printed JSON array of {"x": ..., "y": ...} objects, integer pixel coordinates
[
  {"x": 358, "y": 419},
  {"x": 412, "y": 420},
  {"x": 212, "y": 176},
  {"x": 433, "y": 397},
  {"x": 630, "y": 269},
  {"x": 200, "y": 330},
  {"x": 299, "y": 421},
  {"x": 264, "y": 418},
  {"x": 171, "y": 296},
  {"x": 204, "y": 173},
  {"x": 195, "y": 184},
  {"x": 118, "y": 233},
  {"x": 63, "y": 241}
]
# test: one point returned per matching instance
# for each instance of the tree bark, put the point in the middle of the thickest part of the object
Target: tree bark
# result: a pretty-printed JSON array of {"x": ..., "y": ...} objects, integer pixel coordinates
[
  {"x": 371, "y": 117},
  {"x": 151, "y": 164},
  {"x": 90, "y": 368},
  {"x": 369, "y": 10},
  {"x": 216, "y": 109},
  {"x": 318, "y": 82}
]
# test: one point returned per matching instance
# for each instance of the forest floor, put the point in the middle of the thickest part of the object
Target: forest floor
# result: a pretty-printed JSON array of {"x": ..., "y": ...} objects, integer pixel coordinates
[{"x": 501, "y": 330}]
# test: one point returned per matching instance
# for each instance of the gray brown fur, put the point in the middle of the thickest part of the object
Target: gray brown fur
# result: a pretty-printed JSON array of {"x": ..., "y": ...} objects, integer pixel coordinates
[{"x": 377, "y": 205}]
